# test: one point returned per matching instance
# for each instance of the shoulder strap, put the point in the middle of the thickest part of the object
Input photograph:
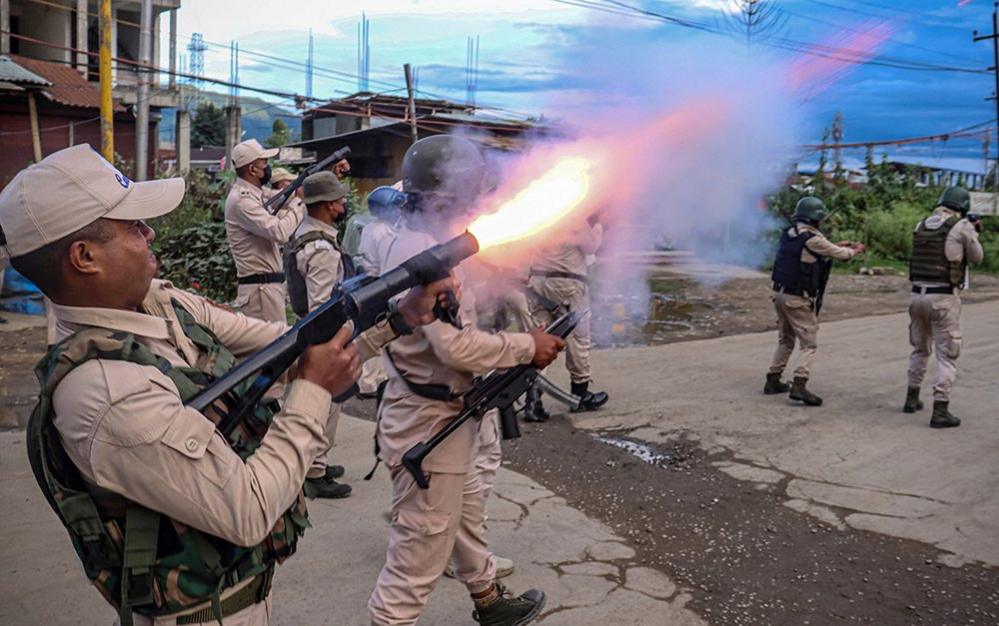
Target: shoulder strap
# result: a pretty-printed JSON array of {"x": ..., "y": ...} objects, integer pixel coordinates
[{"x": 300, "y": 242}]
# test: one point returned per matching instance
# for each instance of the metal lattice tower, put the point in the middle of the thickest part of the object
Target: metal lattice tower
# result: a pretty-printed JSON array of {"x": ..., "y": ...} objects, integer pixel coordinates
[{"x": 195, "y": 67}]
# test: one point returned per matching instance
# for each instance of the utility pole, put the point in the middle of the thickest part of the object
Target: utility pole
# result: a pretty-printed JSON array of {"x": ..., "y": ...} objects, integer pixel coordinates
[
  {"x": 412, "y": 101},
  {"x": 995, "y": 69},
  {"x": 107, "y": 105},
  {"x": 142, "y": 94}
]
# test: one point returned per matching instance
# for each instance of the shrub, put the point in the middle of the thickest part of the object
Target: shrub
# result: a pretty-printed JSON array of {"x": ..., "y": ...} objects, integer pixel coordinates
[{"x": 197, "y": 258}]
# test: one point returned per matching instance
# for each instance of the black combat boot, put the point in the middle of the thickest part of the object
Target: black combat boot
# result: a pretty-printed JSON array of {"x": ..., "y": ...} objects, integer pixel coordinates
[
  {"x": 508, "y": 611},
  {"x": 588, "y": 400},
  {"x": 912, "y": 401},
  {"x": 775, "y": 385},
  {"x": 798, "y": 392},
  {"x": 942, "y": 417},
  {"x": 325, "y": 487},
  {"x": 534, "y": 409},
  {"x": 334, "y": 471}
]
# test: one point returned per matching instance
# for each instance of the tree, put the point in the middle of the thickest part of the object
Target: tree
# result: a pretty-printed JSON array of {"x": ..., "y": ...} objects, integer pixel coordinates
[
  {"x": 208, "y": 126},
  {"x": 757, "y": 19},
  {"x": 280, "y": 134}
]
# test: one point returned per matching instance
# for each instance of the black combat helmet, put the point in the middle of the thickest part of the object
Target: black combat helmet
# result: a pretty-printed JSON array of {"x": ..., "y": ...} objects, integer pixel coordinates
[
  {"x": 810, "y": 209},
  {"x": 956, "y": 198},
  {"x": 443, "y": 173}
]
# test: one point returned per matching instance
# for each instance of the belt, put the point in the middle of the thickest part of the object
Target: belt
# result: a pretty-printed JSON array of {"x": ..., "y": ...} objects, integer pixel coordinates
[
  {"x": 249, "y": 595},
  {"x": 926, "y": 290},
  {"x": 791, "y": 292},
  {"x": 568, "y": 275},
  {"x": 261, "y": 279}
]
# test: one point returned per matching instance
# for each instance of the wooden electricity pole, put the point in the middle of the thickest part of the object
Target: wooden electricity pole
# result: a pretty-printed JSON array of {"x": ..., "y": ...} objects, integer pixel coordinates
[
  {"x": 107, "y": 105},
  {"x": 412, "y": 101}
]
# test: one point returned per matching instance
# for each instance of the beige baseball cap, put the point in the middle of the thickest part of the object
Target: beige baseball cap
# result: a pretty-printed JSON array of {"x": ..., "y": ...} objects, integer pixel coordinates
[
  {"x": 73, "y": 188},
  {"x": 279, "y": 174},
  {"x": 323, "y": 186},
  {"x": 249, "y": 151}
]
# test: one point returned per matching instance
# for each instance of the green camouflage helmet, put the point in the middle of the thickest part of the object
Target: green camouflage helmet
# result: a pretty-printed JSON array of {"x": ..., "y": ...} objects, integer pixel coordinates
[
  {"x": 810, "y": 209},
  {"x": 956, "y": 198}
]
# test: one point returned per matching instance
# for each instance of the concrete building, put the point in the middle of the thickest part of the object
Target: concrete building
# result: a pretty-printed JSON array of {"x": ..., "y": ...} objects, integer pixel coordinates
[{"x": 57, "y": 41}]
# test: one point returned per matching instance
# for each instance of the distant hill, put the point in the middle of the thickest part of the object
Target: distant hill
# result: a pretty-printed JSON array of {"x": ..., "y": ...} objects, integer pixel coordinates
[{"x": 258, "y": 117}]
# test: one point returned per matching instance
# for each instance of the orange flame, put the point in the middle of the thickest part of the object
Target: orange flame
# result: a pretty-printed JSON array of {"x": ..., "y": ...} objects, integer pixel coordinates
[{"x": 543, "y": 203}]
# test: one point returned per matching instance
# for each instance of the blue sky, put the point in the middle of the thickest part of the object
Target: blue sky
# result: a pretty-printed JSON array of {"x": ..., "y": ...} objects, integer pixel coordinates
[{"x": 530, "y": 51}]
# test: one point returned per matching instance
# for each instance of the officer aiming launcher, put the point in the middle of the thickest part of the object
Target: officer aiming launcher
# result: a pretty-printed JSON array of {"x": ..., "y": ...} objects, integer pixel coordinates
[
  {"x": 498, "y": 390},
  {"x": 278, "y": 200},
  {"x": 362, "y": 300}
]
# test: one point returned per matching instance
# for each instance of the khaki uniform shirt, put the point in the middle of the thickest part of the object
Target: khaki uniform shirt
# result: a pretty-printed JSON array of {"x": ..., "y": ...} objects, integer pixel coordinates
[
  {"x": 962, "y": 241},
  {"x": 319, "y": 262},
  {"x": 440, "y": 354},
  {"x": 570, "y": 255},
  {"x": 819, "y": 246},
  {"x": 375, "y": 241},
  {"x": 124, "y": 426},
  {"x": 255, "y": 236}
]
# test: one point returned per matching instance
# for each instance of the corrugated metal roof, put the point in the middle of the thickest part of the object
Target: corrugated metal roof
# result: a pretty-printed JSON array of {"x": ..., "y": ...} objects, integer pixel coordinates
[
  {"x": 68, "y": 86},
  {"x": 11, "y": 72}
]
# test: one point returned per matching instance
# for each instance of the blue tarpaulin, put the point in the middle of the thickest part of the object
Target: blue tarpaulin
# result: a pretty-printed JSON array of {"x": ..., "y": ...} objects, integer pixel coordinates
[{"x": 20, "y": 295}]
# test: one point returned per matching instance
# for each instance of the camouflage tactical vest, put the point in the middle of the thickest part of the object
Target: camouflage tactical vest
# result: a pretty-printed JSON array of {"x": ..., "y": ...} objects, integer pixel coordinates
[
  {"x": 929, "y": 258},
  {"x": 298, "y": 292},
  {"x": 138, "y": 559}
]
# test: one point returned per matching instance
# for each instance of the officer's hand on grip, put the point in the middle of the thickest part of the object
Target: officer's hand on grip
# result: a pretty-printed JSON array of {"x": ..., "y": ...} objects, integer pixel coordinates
[
  {"x": 334, "y": 365},
  {"x": 546, "y": 347},
  {"x": 417, "y": 307},
  {"x": 859, "y": 247}
]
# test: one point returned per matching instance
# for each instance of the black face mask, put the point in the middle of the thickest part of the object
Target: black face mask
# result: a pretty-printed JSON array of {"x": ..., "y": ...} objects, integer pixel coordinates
[{"x": 266, "y": 178}]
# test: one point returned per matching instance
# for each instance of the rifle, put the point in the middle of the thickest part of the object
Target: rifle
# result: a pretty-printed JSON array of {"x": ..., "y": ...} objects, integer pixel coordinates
[
  {"x": 278, "y": 200},
  {"x": 363, "y": 300},
  {"x": 497, "y": 390}
]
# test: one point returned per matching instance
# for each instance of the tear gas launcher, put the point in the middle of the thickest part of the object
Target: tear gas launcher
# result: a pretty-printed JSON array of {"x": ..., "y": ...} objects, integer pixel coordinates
[
  {"x": 364, "y": 300},
  {"x": 497, "y": 390},
  {"x": 279, "y": 199}
]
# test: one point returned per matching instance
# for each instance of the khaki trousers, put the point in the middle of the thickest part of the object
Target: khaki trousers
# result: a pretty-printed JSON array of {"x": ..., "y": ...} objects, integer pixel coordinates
[
  {"x": 319, "y": 465},
  {"x": 576, "y": 295},
  {"x": 265, "y": 302},
  {"x": 795, "y": 321},
  {"x": 488, "y": 453},
  {"x": 935, "y": 322},
  {"x": 372, "y": 375},
  {"x": 428, "y": 527}
]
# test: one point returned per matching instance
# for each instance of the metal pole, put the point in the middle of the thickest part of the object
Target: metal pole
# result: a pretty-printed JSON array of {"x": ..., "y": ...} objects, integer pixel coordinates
[
  {"x": 4, "y": 26},
  {"x": 36, "y": 139},
  {"x": 995, "y": 61},
  {"x": 107, "y": 105},
  {"x": 412, "y": 101},
  {"x": 82, "y": 60},
  {"x": 142, "y": 97}
]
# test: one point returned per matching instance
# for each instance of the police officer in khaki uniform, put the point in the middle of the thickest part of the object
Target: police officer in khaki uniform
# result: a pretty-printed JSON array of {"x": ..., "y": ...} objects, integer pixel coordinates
[
  {"x": 801, "y": 270},
  {"x": 171, "y": 524},
  {"x": 313, "y": 267},
  {"x": 943, "y": 245},
  {"x": 255, "y": 236},
  {"x": 428, "y": 372},
  {"x": 559, "y": 274}
]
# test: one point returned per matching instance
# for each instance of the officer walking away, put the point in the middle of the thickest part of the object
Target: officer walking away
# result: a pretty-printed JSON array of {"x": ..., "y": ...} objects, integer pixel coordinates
[
  {"x": 255, "y": 236},
  {"x": 559, "y": 275},
  {"x": 314, "y": 267},
  {"x": 801, "y": 271},
  {"x": 943, "y": 245},
  {"x": 171, "y": 522},
  {"x": 429, "y": 371}
]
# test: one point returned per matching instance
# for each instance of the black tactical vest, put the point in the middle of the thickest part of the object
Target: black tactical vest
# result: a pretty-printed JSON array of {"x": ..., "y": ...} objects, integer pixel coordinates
[
  {"x": 793, "y": 276},
  {"x": 298, "y": 291},
  {"x": 929, "y": 262}
]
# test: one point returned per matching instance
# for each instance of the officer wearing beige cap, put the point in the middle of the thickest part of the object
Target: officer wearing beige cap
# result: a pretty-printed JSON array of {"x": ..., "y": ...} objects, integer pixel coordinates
[
  {"x": 255, "y": 236},
  {"x": 171, "y": 522}
]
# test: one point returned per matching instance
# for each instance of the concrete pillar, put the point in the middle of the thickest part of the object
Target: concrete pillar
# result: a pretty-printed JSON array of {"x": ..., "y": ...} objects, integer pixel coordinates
[
  {"x": 4, "y": 26},
  {"x": 233, "y": 131},
  {"x": 182, "y": 142},
  {"x": 173, "y": 49},
  {"x": 81, "y": 36}
]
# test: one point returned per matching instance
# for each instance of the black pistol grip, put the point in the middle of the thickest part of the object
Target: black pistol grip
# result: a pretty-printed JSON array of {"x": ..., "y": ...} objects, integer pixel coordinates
[{"x": 412, "y": 460}]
